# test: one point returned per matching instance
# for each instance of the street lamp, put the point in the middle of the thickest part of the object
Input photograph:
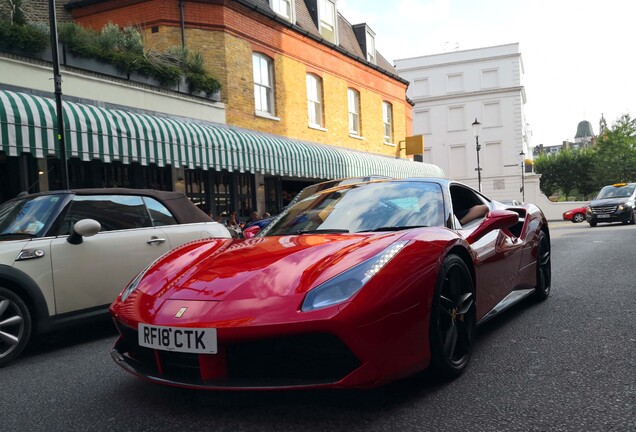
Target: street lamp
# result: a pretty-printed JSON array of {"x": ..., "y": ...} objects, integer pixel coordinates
[
  {"x": 476, "y": 130},
  {"x": 523, "y": 186}
]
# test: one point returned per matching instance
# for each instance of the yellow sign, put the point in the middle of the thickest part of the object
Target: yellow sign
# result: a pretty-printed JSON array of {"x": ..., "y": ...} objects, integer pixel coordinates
[{"x": 415, "y": 145}]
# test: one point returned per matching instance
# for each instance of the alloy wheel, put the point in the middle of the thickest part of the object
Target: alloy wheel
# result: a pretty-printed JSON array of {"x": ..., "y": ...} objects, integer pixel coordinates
[{"x": 457, "y": 316}]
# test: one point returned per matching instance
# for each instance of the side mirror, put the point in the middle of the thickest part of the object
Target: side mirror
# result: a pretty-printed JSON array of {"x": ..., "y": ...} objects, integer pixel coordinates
[
  {"x": 496, "y": 219},
  {"x": 251, "y": 231},
  {"x": 83, "y": 228}
]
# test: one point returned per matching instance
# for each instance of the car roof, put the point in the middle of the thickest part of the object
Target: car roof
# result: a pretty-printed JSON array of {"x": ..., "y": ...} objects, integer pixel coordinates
[{"x": 178, "y": 203}]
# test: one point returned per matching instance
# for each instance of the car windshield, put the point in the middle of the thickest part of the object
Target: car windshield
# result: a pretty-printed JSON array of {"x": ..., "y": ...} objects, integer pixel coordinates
[
  {"x": 616, "y": 192},
  {"x": 380, "y": 206},
  {"x": 27, "y": 216}
]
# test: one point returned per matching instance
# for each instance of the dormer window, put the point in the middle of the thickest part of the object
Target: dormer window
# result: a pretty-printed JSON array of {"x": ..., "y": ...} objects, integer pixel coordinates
[
  {"x": 366, "y": 39},
  {"x": 327, "y": 20},
  {"x": 371, "y": 48},
  {"x": 284, "y": 8}
]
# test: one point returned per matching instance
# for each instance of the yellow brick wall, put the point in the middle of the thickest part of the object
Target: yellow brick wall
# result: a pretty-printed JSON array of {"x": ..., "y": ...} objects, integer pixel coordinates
[{"x": 229, "y": 60}]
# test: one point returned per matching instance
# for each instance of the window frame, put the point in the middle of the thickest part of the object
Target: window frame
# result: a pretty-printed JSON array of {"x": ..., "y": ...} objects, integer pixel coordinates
[
  {"x": 268, "y": 87},
  {"x": 322, "y": 6},
  {"x": 275, "y": 5},
  {"x": 354, "y": 116},
  {"x": 387, "y": 120},
  {"x": 316, "y": 92},
  {"x": 370, "y": 45}
]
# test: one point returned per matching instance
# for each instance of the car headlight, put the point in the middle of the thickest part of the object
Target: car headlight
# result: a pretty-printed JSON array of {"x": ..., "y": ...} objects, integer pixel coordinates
[
  {"x": 342, "y": 287},
  {"x": 588, "y": 211},
  {"x": 621, "y": 207}
]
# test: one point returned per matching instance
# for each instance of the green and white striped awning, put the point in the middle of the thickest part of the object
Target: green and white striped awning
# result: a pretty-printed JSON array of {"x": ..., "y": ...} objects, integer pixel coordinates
[{"x": 28, "y": 123}]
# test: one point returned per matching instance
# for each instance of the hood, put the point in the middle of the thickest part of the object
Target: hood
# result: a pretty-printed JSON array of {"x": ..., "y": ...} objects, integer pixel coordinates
[
  {"x": 261, "y": 267},
  {"x": 609, "y": 202}
]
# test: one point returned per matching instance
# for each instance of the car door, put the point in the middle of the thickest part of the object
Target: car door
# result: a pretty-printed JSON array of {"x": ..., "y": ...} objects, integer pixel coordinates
[
  {"x": 498, "y": 255},
  {"x": 92, "y": 273}
]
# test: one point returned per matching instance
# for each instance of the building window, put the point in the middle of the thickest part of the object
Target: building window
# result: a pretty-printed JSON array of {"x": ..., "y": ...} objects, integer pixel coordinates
[
  {"x": 314, "y": 100},
  {"x": 454, "y": 83},
  {"x": 456, "y": 119},
  {"x": 284, "y": 8},
  {"x": 387, "y": 116},
  {"x": 370, "y": 48},
  {"x": 354, "y": 112},
  {"x": 263, "y": 84},
  {"x": 327, "y": 20}
]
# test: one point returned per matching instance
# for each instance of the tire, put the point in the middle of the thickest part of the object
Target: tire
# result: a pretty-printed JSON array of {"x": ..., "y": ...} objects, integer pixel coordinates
[
  {"x": 15, "y": 326},
  {"x": 632, "y": 220},
  {"x": 453, "y": 319},
  {"x": 592, "y": 224},
  {"x": 578, "y": 217},
  {"x": 544, "y": 268}
]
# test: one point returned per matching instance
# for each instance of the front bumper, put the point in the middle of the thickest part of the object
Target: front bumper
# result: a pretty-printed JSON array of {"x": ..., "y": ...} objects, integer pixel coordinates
[
  {"x": 293, "y": 361},
  {"x": 614, "y": 216}
]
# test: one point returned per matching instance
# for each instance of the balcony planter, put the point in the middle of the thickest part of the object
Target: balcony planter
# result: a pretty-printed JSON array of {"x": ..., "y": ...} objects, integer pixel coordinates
[
  {"x": 68, "y": 58},
  {"x": 143, "y": 79}
]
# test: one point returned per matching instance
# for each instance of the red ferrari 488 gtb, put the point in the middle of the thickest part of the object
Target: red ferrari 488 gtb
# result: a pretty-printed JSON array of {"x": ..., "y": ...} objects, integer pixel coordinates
[{"x": 354, "y": 286}]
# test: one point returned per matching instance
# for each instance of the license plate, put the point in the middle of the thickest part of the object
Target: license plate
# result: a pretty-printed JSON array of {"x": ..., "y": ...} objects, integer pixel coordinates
[
  {"x": 178, "y": 339},
  {"x": 603, "y": 216}
]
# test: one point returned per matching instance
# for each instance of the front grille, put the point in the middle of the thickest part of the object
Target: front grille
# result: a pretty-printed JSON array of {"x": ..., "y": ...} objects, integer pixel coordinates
[
  {"x": 285, "y": 361},
  {"x": 604, "y": 209}
]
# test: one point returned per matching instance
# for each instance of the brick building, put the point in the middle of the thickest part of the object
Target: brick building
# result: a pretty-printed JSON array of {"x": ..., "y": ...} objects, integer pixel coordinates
[{"x": 293, "y": 71}]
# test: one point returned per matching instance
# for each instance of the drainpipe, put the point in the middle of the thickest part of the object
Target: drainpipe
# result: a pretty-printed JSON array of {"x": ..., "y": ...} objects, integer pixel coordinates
[{"x": 182, "y": 10}]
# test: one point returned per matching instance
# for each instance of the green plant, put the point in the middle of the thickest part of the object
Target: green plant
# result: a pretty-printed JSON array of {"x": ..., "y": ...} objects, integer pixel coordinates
[
  {"x": 27, "y": 37},
  {"x": 16, "y": 12},
  {"x": 202, "y": 83}
]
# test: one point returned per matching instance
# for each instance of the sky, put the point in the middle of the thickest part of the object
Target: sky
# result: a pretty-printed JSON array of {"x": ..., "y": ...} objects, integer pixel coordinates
[{"x": 578, "y": 55}]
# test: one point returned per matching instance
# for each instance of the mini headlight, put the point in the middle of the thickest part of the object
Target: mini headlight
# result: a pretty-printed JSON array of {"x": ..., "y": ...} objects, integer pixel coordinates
[{"x": 342, "y": 287}]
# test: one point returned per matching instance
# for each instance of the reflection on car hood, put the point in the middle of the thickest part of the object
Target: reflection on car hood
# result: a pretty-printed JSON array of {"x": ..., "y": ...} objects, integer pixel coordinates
[{"x": 258, "y": 267}]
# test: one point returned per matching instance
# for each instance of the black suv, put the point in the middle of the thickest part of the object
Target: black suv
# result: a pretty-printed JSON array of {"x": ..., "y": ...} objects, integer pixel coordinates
[{"x": 614, "y": 203}]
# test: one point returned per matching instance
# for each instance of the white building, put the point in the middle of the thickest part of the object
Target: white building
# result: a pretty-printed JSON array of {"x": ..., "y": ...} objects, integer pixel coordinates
[{"x": 450, "y": 91}]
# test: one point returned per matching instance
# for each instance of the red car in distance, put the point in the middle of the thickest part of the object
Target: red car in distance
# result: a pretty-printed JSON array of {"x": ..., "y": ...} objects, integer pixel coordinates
[
  {"x": 355, "y": 286},
  {"x": 576, "y": 215}
]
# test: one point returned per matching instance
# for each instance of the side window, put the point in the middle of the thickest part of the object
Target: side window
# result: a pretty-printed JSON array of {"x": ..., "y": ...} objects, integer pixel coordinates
[
  {"x": 463, "y": 200},
  {"x": 113, "y": 212},
  {"x": 159, "y": 213}
]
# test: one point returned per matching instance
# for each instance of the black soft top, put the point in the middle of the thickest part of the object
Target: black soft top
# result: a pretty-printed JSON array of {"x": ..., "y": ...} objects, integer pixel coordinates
[{"x": 178, "y": 203}]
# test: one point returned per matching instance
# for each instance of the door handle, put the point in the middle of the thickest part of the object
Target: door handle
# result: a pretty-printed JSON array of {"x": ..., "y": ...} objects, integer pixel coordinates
[{"x": 155, "y": 240}]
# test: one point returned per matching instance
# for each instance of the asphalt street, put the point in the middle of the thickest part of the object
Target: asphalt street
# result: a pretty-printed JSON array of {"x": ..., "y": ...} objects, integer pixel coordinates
[{"x": 567, "y": 364}]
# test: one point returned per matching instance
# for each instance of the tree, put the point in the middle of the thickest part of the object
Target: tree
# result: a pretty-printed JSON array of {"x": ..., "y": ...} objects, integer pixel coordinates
[
  {"x": 545, "y": 166},
  {"x": 616, "y": 152},
  {"x": 586, "y": 182}
]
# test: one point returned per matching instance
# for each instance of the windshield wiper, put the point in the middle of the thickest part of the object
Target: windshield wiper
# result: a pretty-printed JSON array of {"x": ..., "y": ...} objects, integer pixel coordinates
[
  {"x": 395, "y": 228},
  {"x": 323, "y": 231}
]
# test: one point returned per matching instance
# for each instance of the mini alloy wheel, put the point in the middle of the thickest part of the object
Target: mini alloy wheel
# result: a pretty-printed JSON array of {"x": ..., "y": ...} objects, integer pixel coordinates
[{"x": 15, "y": 326}]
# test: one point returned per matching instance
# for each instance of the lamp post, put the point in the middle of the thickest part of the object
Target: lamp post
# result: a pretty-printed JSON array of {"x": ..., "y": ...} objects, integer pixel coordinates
[
  {"x": 476, "y": 130},
  {"x": 523, "y": 186},
  {"x": 57, "y": 85}
]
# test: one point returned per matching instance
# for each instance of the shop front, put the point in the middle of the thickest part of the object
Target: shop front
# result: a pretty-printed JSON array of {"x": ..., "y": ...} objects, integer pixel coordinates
[{"x": 221, "y": 168}]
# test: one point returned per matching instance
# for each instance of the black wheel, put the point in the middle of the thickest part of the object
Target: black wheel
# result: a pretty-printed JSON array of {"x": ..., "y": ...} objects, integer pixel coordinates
[
  {"x": 15, "y": 326},
  {"x": 577, "y": 218},
  {"x": 453, "y": 319},
  {"x": 632, "y": 220},
  {"x": 592, "y": 224},
  {"x": 544, "y": 268}
]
